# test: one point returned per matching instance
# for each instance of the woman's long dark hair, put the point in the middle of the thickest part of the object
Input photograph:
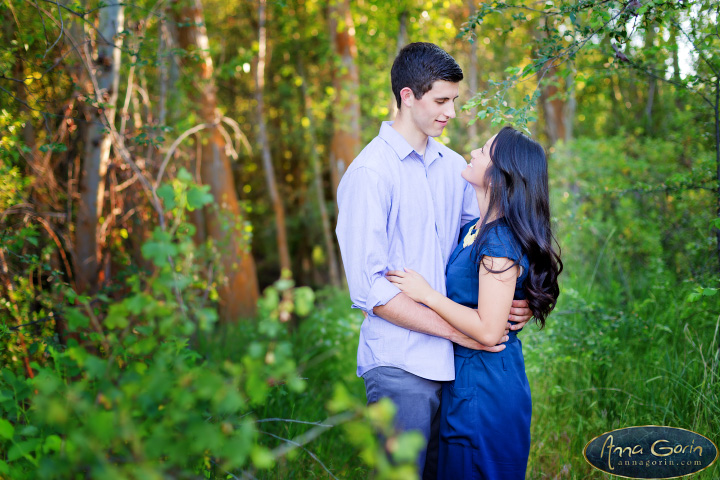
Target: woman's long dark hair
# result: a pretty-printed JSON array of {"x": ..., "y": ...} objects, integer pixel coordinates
[{"x": 518, "y": 176}]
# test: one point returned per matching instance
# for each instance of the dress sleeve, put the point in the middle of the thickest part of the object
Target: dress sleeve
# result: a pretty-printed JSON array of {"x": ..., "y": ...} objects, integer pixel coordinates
[
  {"x": 501, "y": 243},
  {"x": 364, "y": 201}
]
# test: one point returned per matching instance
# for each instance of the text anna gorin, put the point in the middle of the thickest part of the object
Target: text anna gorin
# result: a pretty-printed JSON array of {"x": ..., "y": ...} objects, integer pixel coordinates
[{"x": 651, "y": 452}]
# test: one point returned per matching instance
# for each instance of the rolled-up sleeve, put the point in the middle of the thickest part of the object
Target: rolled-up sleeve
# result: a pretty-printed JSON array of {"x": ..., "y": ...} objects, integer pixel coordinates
[{"x": 364, "y": 202}]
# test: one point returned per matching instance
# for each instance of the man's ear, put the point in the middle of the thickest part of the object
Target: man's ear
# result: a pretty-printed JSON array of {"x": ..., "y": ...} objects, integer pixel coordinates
[{"x": 407, "y": 96}]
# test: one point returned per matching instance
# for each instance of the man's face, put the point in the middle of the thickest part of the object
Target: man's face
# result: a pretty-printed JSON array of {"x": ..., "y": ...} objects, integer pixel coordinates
[{"x": 431, "y": 113}]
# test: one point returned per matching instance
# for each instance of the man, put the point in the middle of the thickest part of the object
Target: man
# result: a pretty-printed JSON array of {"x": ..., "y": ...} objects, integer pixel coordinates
[{"x": 401, "y": 204}]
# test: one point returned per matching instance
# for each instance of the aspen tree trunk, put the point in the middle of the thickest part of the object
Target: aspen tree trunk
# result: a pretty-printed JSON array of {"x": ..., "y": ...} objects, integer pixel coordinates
[
  {"x": 652, "y": 87},
  {"x": 472, "y": 76},
  {"x": 317, "y": 170},
  {"x": 239, "y": 290},
  {"x": 97, "y": 144},
  {"x": 558, "y": 104},
  {"x": 401, "y": 42},
  {"x": 278, "y": 208},
  {"x": 553, "y": 108},
  {"x": 346, "y": 107}
]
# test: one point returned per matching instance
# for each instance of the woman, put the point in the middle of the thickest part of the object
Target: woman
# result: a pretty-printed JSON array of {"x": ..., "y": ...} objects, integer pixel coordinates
[{"x": 506, "y": 254}]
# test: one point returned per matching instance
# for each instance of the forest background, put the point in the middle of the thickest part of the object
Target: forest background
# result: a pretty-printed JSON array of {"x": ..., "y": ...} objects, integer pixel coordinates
[{"x": 172, "y": 298}]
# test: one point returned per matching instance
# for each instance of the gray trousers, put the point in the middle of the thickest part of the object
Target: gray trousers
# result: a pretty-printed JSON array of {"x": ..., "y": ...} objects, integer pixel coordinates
[{"x": 418, "y": 408}]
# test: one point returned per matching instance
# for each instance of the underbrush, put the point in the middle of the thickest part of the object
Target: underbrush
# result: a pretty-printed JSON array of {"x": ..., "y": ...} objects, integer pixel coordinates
[{"x": 634, "y": 339}]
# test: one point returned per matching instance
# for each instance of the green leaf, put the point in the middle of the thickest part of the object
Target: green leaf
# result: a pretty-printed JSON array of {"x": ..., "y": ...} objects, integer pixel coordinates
[
  {"x": 117, "y": 316},
  {"x": 184, "y": 176},
  {"x": 198, "y": 197},
  {"x": 407, "y": 447},
  {"x": 53, "y": 443},
  {"x": 76, "y": 320},
  {"x": 22, "y": 449},
  {"x": 28, "y": 431},
  {"x": 6, "y": 429},
  {"x": 256, "y": 387},
  {"x": 304, "y": 300},
  {"x": 262, "y": 457},
  {"x": 167, "y": 193},
  {"x": 159, "y": 248}
]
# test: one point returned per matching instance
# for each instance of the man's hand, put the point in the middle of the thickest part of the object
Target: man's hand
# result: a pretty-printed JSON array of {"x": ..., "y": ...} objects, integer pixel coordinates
[{"x": 520, "y": 314}]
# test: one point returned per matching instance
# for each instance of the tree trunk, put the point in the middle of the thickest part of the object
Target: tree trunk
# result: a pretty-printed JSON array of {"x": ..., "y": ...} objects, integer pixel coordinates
[
  {"x": 472, "y": 77},
  {"x": 97, "y": 144},
  {"x": 278, "y": 208},
  {"x": 401, "y": 41},
  {"x": 239, "y": 289},
  {"x": 346, "y": 107},
  {"x": 652, "y": 87},
  {"x": 317, "y": 170},
  {"x": 553, "y": 106}
]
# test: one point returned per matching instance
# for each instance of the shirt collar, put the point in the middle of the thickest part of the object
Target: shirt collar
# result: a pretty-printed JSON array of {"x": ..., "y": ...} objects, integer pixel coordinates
[
  {"x": 396, "y": 141},
  {"x": 432, "y": 151},
  {"x": 403, "y": 149}
]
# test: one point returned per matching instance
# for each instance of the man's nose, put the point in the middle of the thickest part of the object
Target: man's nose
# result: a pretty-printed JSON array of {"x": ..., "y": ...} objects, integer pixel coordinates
[{"x": 450, "y": 111}]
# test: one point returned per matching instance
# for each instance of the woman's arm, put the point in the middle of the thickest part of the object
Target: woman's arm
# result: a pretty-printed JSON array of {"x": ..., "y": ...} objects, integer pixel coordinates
[{"x": 487, "y": 324}]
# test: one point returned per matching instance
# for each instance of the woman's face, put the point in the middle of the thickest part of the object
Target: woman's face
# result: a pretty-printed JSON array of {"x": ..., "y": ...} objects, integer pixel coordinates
[{"x": 480, "y": 161}]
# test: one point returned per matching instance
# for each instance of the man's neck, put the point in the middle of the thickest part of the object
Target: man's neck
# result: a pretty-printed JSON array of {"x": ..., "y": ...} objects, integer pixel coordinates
[{"x": 405, "y": 127}]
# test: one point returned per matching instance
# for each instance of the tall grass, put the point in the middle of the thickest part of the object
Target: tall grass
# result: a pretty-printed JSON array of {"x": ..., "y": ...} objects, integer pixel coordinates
[{"x": 634, "y": 340}]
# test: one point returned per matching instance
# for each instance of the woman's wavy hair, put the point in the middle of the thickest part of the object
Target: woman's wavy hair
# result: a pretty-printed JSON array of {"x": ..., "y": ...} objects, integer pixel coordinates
[{"x": 519, "y": 191}]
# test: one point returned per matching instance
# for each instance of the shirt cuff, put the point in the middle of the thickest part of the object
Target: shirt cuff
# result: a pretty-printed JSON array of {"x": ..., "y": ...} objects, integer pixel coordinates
[{"x": 381, "y": 292}]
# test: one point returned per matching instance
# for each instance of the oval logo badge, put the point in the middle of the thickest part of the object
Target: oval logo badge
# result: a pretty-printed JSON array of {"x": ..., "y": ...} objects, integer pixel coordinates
[{"x": 651, "y": 452}]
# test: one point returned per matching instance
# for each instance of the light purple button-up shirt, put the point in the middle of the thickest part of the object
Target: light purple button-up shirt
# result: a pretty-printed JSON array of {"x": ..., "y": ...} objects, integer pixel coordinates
[{"x": 399, "y": 209}]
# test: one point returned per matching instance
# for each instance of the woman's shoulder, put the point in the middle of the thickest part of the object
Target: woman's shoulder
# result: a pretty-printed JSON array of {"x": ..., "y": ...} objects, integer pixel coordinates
[{"x": 500, "y": 241}]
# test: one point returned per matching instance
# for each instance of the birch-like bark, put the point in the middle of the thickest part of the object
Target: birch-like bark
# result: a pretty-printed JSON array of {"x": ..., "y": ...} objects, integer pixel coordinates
[
  {"x": 239, "y": 289},
  {"x": 472, "y": 77},
  {"x": 97, "y": 143},
  {"x": 346, "y": 107},
  {"x": 278, "y": 208},
  {"x": 319, "y": 190}
]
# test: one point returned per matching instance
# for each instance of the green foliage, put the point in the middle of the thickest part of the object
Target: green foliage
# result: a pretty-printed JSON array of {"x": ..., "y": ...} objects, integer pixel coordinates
[
  {"x": 128, "y": 396},
  {"x": 14, "y": 182},
  {"x": 602, "y": 40},
  {"x": 634, "y": 339},
  {"x": 630, "y": 198},
  {"x": 141, "y": 388}
]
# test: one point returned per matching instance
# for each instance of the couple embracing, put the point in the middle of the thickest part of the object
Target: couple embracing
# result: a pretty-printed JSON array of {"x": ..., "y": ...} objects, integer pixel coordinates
[{"x": 449, "y": 261}]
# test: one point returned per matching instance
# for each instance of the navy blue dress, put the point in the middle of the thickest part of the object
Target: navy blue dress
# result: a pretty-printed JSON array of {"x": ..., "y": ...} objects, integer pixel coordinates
[{"x": 485, "y": 411}]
